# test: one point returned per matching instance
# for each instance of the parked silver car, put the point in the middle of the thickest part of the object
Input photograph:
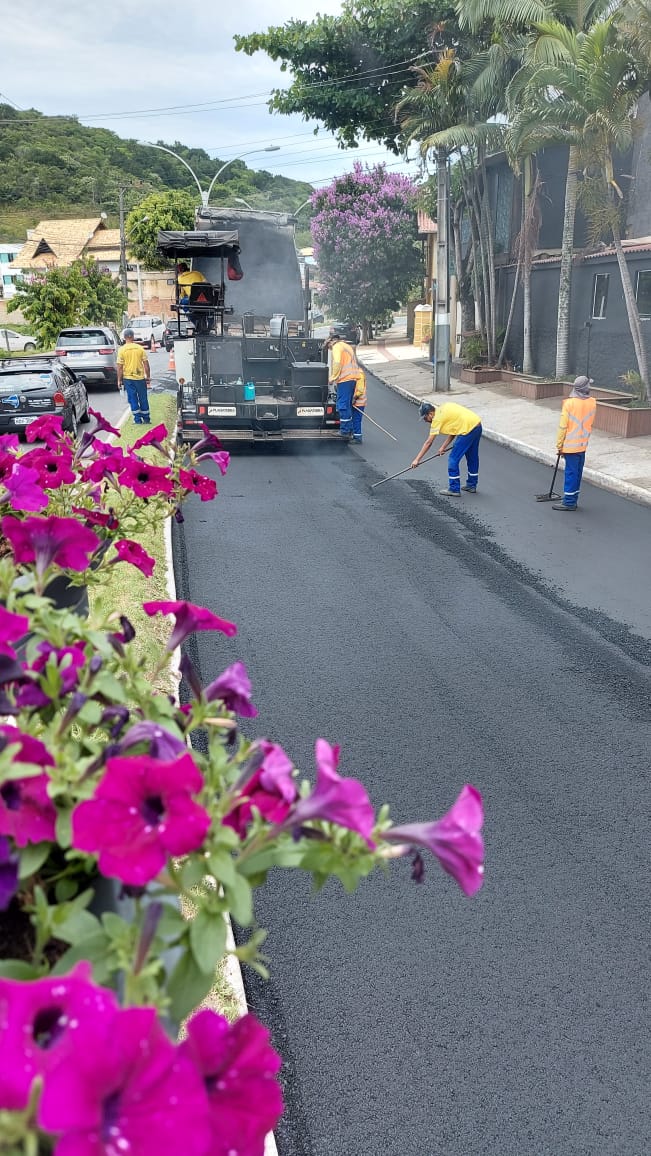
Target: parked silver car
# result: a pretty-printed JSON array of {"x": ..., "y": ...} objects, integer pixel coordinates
[
  {"x": 13, "y": 342},
  {"x": 91, "y": 351}
]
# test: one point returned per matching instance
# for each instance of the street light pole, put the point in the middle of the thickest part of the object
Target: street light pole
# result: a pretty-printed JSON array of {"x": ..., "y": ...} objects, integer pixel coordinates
[
  {"x": 442, "y": 319},
  {"x": 205, "y": 193},
  {"x": 123, "y": 244}
]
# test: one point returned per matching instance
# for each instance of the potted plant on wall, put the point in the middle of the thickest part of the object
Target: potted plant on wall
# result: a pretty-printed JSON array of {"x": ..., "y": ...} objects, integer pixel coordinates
[
  {"x": 474, "y": 369},
  {"x": 627, "y": 415}
]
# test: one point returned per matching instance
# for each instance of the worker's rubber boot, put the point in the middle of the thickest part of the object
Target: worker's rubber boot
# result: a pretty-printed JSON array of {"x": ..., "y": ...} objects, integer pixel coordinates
[
  {"x": 470, "y": 489},
  {"x": 450, "y": 493},
  {"x": 565, "y": 509}
]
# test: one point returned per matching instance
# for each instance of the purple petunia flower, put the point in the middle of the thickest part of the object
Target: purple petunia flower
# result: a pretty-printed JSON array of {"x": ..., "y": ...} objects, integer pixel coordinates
[
  {"x": 54, "y": 467},
  {"x": 188, "y": 619},
  {"x": 162, "y": 744},
  {"x": 9, "y": 442},
  {"x": 107, "y": 463},
  {"x": 38, "y": 1020},
  {"x": 9, "y": 861},
  {"x": 196, "y": 483},
  {"x": 102, "y": 423},
  {"x": 238, "y": 1066},
  {"x": 68, "y": 660},
  {"x": 45, "y": 541},
  {"x": 208, "y": 443},
  {"x": 97, "y": 517},
  {"x": 125, "y": 1088},
  {"x": 220, "y": 457},
  {"x": 25, "y": 489},
  {"x": 153, "y": 437},
  {"x": 233, "y": 688},
  {"x": 12, "y": 627},
  {"x": 48, "y": 429},
  {"x": 335, "y": 800},
  {"x": 455, "y": 839},
  {"x": 144, "y": 480},
  {"x": 141, "y": 813},
  {"x": 26, "y": 811},
  {"x": 129, "y": 551},
  {"x": 271, "y": 790}
]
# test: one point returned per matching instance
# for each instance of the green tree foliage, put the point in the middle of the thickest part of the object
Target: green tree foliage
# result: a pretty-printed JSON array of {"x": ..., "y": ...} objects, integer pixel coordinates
[
  {"x": 55, "y": 166},
  {"x": 82, "y": 294},
  {"x": 366, "y": 241},
  {"x": 171, "y": 210},
  {"x": 350, "y": 71}
]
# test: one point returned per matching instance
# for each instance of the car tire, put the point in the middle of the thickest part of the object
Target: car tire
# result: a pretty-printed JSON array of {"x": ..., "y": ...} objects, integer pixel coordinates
[
  {"x": 85, "y": 417},
  {"x": 152, "y": 343},
  {"x": 29, "y": 345}
]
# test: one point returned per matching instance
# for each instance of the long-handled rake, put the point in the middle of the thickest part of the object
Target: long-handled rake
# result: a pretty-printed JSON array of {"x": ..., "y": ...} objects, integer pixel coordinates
[
  {"x": 407, "y": 469},
  {"x": 376, "y": 424},
  {"x": 551, "y": 496}
]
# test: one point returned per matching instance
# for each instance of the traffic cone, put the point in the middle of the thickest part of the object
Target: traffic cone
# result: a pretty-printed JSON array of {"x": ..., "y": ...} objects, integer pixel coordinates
[{"x": 171, "y": 365}]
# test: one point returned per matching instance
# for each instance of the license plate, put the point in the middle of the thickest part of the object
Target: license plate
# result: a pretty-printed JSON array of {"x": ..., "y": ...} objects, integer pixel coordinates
[
  {"x": 25, "y": 420},
  {"x": 309, "y": 411},
  {"x": 222, "y": 411}
]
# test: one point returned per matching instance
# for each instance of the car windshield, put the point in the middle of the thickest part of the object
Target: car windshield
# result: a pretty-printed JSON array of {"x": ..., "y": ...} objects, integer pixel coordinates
[
  {"x": 81, "y": 337},
  {"x": 22, "y": 382},
  {"x": 140, "y": 323}
]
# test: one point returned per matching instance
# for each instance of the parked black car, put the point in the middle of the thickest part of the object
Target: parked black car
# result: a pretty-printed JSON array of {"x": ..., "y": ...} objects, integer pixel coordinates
[
  {"x": 33, "y": 386},
  {"x": 171, "y": 331},
  {"x": 348, "y": 330}
]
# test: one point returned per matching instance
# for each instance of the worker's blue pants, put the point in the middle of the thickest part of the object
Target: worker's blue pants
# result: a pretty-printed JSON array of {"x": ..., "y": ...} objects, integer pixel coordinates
[
  {"x": 358, "y": 414},
  {"x": 136, "y": 388},
  {"x": 573, "y": 474},
  {"x": 345, "y": 390},
  {"x": 464, "y": 446}
]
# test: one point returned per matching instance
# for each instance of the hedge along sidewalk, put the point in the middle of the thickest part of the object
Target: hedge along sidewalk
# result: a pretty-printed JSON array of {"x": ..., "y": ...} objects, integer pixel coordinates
[{"x": 124, "y": 590}]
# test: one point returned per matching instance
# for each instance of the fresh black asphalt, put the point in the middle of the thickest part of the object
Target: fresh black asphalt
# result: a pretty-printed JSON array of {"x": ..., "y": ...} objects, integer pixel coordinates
[{"x": 495, "y": 642}]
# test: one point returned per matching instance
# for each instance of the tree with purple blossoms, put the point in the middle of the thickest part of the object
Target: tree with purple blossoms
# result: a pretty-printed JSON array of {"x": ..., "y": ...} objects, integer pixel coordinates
[{"x": 365, "y": 234}]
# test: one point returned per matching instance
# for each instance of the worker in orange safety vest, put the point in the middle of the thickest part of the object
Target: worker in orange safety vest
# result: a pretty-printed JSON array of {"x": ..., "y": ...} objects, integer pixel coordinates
[
  {"x": 344, "y": 373},
  {"x": 574, "y": 429}
]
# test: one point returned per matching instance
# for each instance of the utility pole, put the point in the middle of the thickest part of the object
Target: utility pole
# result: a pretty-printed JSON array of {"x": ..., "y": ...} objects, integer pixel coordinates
[
  {"x": 123, "y": 244},
  {"x": 442, "y": 315}
]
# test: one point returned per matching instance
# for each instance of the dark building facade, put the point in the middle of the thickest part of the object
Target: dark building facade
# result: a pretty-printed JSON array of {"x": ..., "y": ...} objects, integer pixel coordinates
[{"x": 600, "y": 339}]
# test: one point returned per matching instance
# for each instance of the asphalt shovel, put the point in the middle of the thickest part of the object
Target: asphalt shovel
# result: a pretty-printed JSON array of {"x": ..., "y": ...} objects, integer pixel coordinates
[{"x": 551, "y": 496}]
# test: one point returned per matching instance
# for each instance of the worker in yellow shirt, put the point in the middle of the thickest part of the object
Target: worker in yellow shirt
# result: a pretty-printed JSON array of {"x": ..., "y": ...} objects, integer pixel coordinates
[
  {"x": 463, "y": 432},
  {"x": 134, "y": 375},
  {"x": 187, "y": 277}
]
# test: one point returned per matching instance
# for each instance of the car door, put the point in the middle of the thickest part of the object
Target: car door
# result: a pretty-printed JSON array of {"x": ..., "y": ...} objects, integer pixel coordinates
[{"x": 71, "y": 387}]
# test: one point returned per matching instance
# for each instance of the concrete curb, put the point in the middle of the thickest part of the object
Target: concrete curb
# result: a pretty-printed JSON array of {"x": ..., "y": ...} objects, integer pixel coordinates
[{"x": 604, "y": 481}]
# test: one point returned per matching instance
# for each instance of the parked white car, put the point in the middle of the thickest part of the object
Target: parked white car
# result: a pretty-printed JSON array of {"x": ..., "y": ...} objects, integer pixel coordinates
[
  {"x": 13, "y": 342},
  {"x": 147, "y": 330}
]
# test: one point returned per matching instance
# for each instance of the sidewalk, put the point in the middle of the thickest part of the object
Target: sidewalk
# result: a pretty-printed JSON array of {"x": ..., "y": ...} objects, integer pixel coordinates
[{"x": 622, "y": 465}]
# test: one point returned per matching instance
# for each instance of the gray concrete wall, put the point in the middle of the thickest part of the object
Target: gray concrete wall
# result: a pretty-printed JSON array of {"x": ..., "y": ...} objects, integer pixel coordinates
[{"x": 611, "y": 347}]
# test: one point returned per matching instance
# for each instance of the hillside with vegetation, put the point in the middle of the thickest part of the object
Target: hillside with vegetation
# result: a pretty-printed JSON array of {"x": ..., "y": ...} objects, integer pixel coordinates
[{"x": 57, "y": 167}]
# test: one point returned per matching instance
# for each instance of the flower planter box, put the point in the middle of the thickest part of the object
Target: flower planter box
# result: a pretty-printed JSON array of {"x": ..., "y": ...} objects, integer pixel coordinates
[
  {"x": 616, "y": 396},
  {"x": 623, "y": 421},
  {"x": 479, "y": 376},
  {"x": 533, "y": 388}
]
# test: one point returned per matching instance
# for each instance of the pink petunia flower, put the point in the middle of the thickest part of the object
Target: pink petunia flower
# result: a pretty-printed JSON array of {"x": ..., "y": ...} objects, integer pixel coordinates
[
  {"x": 233, "y": 688},
  {"x": 26, "y": 811},
  {"x": 334, "y": 799},
  {"x": 25, "y": 489},
  {"x": 455, "y": 839},
  {"x": 7, "y": 463},
  {"x": 142, "y": 812},
  {"x": 9, "y": 442},
  {"x": 146, "y": 481},
  {"x": 196, "y": 483},
  {"x": 270, "y": 789},
  {"x": 129, "y": 551},
  {"x": 125, "y": 1088},
  {"x": 238, "y": 1066},
  {"x": 208, "y": 443},
  {"x": 48, "y": 429},
  {"x": 188, "y": 619},
  {"x": 153, "y": 437},
  {"x": 12, "y": 627},
  {"x": 97, "y": 517},
  {"x": 221, "y": 458},
  {"x": 54, "y": 468},
  {"x": 38, "y": 1020},
  {"x": 50, "y": 540},
  {"x": 101, "y": 423}
]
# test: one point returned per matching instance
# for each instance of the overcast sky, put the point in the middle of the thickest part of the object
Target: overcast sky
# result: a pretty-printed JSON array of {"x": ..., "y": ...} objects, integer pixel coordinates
[{"x": 128, "y": 64}]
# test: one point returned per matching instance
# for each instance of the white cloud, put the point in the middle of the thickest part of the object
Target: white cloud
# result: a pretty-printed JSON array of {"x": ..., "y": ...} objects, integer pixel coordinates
[{"x": 77, "y": 57}]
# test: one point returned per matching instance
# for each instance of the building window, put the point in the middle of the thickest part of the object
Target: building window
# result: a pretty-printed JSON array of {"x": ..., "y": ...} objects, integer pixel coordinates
[
  {"x": 8, "y": 280},
  {"x": 5, "y": 258},
  {"x": 600, "y": 295},
  {"x": 643, "y": 293}
]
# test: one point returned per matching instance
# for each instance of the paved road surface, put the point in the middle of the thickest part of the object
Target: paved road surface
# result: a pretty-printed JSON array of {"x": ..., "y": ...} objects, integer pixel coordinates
[{"x": 491, "y": 642}]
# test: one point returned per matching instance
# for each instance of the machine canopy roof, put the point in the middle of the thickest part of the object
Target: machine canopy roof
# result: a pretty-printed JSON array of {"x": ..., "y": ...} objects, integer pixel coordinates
[{"x": 207, "y": 243}]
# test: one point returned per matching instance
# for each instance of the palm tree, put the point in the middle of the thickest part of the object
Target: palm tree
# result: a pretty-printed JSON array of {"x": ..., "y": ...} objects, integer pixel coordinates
[
  {"x": 534, "y": 18},
  {"x": 585, "y": 96}
]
